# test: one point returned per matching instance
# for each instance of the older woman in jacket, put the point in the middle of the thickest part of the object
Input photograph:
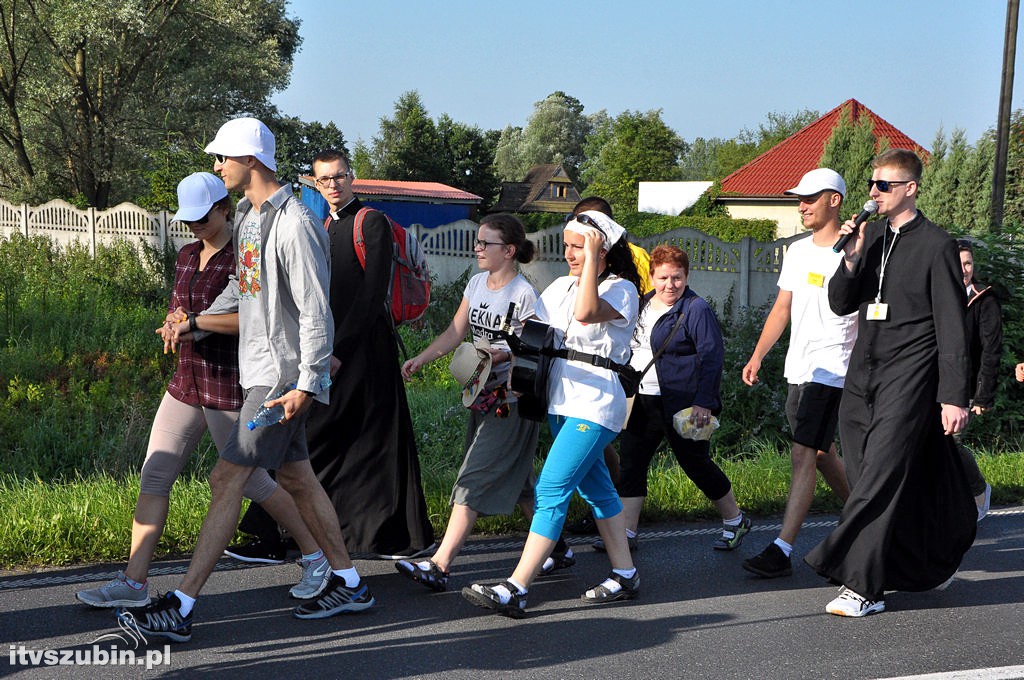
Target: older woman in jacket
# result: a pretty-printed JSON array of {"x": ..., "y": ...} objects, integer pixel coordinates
[{"x": 680, "y": 328}]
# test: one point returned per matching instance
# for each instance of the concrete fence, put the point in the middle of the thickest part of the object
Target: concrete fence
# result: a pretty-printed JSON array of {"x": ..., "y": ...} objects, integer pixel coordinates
[{"x": 747, "y": 270}]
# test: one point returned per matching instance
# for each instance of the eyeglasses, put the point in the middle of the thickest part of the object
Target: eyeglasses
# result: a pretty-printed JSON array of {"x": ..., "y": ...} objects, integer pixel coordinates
[
  {"x": 324, "y": 182},
  {"x": 480, "y": 244},
  {"x": 885, "y": 185},
  {"x": 220, "y": 158},
  {"x": 590, "y": 222}
]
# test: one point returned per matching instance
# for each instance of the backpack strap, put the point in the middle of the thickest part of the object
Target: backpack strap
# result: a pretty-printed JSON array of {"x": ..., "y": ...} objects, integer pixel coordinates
[{"x": 358, "y": 240}]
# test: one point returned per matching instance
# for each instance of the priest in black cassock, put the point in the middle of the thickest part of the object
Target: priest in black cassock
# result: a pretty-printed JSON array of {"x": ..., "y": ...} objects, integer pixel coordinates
[
  {"x": 362, "y": 446},
  {"x": 910, "y": 516}
]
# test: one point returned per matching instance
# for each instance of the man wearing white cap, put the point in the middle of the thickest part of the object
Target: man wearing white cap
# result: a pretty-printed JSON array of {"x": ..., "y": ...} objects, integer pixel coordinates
[
  {"x": 820, "y": 343},
  {"x": 285, "y": 335}
]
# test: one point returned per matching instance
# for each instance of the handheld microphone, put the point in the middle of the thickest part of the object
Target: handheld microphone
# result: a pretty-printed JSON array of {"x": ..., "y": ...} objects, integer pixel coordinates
[{"x": 870, "y": 208}]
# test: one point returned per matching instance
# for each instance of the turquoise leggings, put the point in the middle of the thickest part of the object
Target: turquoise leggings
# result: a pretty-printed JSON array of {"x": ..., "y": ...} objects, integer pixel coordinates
[{"x": 575, "y": 462}]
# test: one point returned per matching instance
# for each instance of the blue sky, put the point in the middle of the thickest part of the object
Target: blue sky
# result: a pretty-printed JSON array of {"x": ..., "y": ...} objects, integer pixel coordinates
[{"x": 713, "y": 68}]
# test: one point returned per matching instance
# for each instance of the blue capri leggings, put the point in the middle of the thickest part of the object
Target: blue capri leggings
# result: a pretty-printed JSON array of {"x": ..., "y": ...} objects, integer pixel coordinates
[{"x": 575, "y": 462}]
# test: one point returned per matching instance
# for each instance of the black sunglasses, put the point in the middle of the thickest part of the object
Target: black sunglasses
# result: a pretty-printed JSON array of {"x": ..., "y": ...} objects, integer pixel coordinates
[
  {"x": 590, "y": 222},
  {"x": 885, "y": 185},
  {"x": 220, "y": 157}
]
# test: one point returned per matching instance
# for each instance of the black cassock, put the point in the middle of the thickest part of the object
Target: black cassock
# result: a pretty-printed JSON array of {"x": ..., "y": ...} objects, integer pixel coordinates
[
  {"x": 910, "y": 516},
  {"x": 362, "y": 446}
]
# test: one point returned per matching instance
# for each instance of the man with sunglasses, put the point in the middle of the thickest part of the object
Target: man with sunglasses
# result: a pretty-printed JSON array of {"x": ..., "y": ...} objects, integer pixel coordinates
[
  {"x": 910, "y": 516},
  {"x": 285, "y": 332}
]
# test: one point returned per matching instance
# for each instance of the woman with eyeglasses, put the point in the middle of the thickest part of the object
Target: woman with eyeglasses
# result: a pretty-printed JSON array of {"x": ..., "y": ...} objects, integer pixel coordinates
[
  {"x": 203, "y": 394},
  {"x": 593, "y": 312},
  {"x": 499, "y": 446}
]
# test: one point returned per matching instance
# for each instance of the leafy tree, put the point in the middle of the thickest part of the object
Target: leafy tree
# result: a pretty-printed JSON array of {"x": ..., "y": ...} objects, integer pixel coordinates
[
  {"x": 89, "y": 88},
  {"x": 362, "y": 160},
  {"x": 408, "y": 146},
  {"x": 700, "y": 160},
  {"x": 298, "y": 141},
  {"x": 555, "y": 133},
  {"x": 1013, "y": 203},
  {"x": 508, "y": 158},
  {"x": 849, "y": 151},
  {"x": 748, "y": 144},
  {"x": 640, "y": 147},
  {"x": 468, "y": 154}
]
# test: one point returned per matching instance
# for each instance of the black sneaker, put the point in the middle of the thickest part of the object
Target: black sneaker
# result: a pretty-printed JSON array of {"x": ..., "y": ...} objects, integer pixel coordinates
[
  {"x": 486, "y": 597},
  {"x": 432, "y": 578},
  {"x": 336, "y": 598},
  {"x": 632, "y": 541},
  {"x": 601, "y": 594},
  {"x": 257, "y": 551},
  {"x": 161, "y": 618},
  {"x": 771, "y": 563}
]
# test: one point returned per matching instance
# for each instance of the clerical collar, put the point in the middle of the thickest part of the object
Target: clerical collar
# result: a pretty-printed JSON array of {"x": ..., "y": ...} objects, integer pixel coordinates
[
  {"x": 896, "y": 230},
  {"x": 336, "y": 214}
]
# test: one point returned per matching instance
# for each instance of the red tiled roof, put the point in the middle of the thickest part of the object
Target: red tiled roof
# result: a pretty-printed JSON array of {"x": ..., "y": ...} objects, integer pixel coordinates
[
  {"x": 382, "y": 188},
  {"x": 781, "y": 167}
]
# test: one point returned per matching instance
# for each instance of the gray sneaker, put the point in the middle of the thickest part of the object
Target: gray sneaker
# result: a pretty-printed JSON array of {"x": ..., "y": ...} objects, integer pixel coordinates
[
  {"x": 117, "y": 593},
  {"x": 315, "y": 574}
]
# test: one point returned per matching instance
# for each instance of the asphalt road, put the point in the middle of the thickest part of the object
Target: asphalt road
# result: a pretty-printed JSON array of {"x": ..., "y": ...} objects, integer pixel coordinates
[{"x": 699, "y": 616}]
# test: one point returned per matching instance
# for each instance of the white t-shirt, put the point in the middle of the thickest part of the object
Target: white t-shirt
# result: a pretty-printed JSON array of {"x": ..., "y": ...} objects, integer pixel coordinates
[
  {"x": 642, "y": 350},
  {"x": 820, "y": 342},
  {"x": 487, "y": 310},
  {"x": 575, "y": 389}
]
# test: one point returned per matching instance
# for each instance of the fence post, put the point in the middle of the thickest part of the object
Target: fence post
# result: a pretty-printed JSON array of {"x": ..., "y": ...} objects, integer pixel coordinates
[
  {"x": 163, "y": 228},
  {"x": 746, "y": 245},
  {"x": 91, "y": 219},
  {"x": 24, "y": 219}
]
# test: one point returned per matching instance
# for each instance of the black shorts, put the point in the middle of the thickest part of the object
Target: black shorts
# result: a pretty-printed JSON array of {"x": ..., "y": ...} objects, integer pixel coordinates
[{"x": 812, "y": 410}]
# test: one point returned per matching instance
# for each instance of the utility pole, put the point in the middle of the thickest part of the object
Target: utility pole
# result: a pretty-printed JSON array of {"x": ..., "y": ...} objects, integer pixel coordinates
[{"x": 1003, "y": 125}]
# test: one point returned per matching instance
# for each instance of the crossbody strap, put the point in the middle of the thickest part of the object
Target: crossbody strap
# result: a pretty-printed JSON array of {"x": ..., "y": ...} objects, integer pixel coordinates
[{"x": 664, "y": 345}]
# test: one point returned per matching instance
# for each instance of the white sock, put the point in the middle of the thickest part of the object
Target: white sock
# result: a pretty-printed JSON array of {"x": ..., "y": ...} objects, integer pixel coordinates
[
  {"x": 424, "y": 565},
  {"x": 735, "y": 521},
  {"x": 187, "y": 603},
  {"x": 350, "y": 576},
  {"x": 134, "y": 585},
  {"x": 630, "y": 533},
  {"x": 612, "y": 585},
  {"x": 314, "y": 556},
  {"x": 786, "y": 548},
  {"x": 504, "y": 594}
]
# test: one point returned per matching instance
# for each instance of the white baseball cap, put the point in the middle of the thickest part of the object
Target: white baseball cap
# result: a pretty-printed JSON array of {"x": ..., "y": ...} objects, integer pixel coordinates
[
  {"x": 197, "y": 194},
  {"x": 245, "y": 137},
  {"x": 817, "y": 180}
]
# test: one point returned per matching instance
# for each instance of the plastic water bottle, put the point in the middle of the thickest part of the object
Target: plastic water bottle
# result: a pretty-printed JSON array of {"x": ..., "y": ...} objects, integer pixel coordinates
[{"x": 273, "y": 415}]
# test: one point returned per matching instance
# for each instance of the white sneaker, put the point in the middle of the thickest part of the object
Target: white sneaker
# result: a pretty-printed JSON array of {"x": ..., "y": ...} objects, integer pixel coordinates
[
  {"x": 850, "y": 603},
  {"x": 315, "y": 574},
  {"x": 986, "y": 504}
]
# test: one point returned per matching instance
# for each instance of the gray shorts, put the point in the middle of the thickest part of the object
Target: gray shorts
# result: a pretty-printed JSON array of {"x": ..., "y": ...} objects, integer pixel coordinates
[
  {"x": 267, "y": 447},
  {"x": 812, "y": 410},
  {"x": 497, "y": 471}
]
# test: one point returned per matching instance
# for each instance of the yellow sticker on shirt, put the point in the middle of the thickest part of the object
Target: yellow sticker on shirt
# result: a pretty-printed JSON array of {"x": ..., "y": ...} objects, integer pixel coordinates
[{"x": 814, "y": 279}]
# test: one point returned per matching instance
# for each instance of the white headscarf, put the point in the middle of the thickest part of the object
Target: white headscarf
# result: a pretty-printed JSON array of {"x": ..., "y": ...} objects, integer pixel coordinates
[{"x": 610, "y": 228}]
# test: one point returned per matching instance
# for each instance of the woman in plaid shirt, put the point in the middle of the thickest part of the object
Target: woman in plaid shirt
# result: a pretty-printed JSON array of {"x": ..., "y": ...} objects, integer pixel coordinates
[{"x": 204, "y": 393}]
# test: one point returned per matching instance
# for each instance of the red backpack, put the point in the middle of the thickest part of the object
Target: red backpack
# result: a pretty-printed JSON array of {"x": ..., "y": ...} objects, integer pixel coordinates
[{"x": 409, "y": 289}]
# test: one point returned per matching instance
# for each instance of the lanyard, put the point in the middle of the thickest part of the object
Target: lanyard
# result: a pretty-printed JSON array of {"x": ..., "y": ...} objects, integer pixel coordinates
[{"x": 885, "y": 258}]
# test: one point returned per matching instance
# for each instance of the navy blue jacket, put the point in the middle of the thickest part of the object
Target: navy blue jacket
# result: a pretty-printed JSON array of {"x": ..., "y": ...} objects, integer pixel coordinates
[{"x": 690, "y": 368}]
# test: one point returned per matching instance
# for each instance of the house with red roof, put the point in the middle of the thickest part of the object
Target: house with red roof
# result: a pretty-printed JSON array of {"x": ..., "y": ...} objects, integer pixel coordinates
[
  {"x": 755, "y": 191},
  {"x": 429, "y": 204}
]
